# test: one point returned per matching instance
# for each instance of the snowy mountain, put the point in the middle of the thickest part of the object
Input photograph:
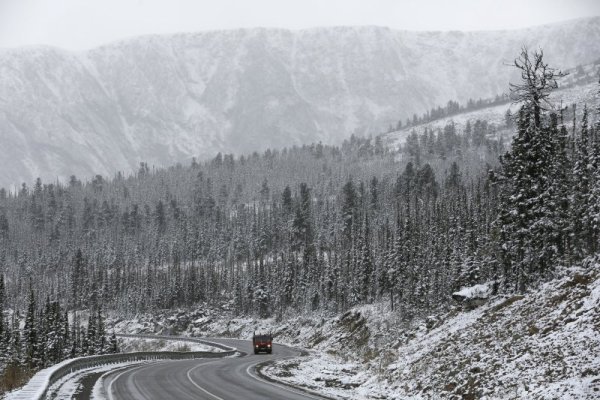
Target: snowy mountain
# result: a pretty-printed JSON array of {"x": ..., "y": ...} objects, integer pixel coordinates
[{"x": 165, "y": 99}]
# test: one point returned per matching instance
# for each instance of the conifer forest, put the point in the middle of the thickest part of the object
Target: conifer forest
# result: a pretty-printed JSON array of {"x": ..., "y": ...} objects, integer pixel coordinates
[{"x": 305, "y": 228}]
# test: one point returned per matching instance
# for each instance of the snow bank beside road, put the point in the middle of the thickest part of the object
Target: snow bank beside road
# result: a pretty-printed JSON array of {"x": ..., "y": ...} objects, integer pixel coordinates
[
  {"x": 128, "y": 345},
  {"x": 68, "y": 386}
]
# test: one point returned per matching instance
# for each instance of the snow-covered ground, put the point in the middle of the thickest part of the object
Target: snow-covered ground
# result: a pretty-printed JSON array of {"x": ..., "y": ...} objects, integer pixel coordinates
[
  {"x": 128, "y": 345},
  {"x": 71, "y": 385},
  {"x": 495, "y": 115},
  {"x": 544, "y": 344}
]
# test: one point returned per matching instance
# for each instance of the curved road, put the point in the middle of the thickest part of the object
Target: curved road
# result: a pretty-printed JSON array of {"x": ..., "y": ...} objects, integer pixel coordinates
[{"x": 211, "y": 379}]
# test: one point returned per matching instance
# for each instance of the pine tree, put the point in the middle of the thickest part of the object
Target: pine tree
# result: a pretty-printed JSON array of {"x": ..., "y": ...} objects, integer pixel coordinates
[
  {"x": 30, "y": 337},
  {"x": 349, "y": 209},
  {"x": 5, "y": 342},
  {"x": 75, "y": 349},
  {"x": 582, "y": 177},
  {"x": 100, "y": 340},
  {"x": 4, "y": 227},
  {"x": 15, "y": 346},
  {"x": 84, "y": 349},
  {"x": 2, "y": 295},
  {"x": 67, "y": 340},
  {"x": 113, "y": 344},
  {"x": 365, "y": 265},
  {"x": 4, "y": 328},
  {"x": 454, "y": 180},
  {"x": 286, "y": 198},
  {"x": 77, "y": 279},
  {"x": 92, "y": 335},
  {"x": 160, "y": 218},
  {"x": 559, "y": 191},
  {"x": 525, "y": 220},
  {"x": 592, "y": 213}
]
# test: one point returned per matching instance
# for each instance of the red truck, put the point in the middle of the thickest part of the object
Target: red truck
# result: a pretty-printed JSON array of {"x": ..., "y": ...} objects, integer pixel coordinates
[{"x": 262, "y": 342}]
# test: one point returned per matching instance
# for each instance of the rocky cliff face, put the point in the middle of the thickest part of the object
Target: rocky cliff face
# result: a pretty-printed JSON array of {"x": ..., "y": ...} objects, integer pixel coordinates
[{"x": 165, "y": 99}]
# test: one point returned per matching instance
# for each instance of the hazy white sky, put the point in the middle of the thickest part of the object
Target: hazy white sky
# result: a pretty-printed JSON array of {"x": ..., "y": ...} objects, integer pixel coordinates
[{"x": 79, "y": 24}]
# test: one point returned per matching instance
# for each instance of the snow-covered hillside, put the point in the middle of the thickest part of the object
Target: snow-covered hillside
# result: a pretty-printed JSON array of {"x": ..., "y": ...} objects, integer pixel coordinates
[
  {"x": 541, "y": 345},
  {"x": 544, "y": 344},
  {"x": 164, "y": 99},
  {"x": 495, "y": 114}
]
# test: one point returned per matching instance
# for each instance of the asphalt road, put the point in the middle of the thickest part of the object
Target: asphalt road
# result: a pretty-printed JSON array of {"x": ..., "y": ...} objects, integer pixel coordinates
[{"x": 231, "y": 378}]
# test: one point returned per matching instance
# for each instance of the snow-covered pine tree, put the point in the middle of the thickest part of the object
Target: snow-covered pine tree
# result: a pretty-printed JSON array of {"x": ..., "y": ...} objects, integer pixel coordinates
[
  {"x": 15, "y": 347},
  {"x": 113, "y": 344},
  {"x": 560, "y": 190},
  {"x": 4, "y": 328},
  {"x": 5, "y": 342},
  {"x": 592, "y": 213},
  {"x": 66, "y": 336},
  {"x": 582, "y": 177},
  {"x": 91, "y": 336},
  {"x": 525, "y": 220},
  {"x": 100, "y": 344},
  {"x": 348, "y": 211},
  {"x": 30, "y": 337},
  {"x": 75, "y": 338},
  {"x": 365, "y": 267},
  {"x": 85, "y": 348},
  {"x": 2, "y": 289},
  {"x": 76, "y": 279}
]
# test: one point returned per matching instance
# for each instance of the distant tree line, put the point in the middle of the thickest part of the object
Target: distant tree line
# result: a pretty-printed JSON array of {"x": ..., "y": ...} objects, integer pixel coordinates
[
  {"x": 452, "y": 108},
  {"x": 579, "y": 77}
]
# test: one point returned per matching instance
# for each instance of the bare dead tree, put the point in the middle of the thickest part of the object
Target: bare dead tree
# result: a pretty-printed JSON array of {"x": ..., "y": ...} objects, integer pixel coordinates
[{"x": 537, "y": 82}]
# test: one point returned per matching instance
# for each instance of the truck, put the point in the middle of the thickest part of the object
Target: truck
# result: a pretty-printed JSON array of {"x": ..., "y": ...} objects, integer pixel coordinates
[{"x": 262, "y": 342}]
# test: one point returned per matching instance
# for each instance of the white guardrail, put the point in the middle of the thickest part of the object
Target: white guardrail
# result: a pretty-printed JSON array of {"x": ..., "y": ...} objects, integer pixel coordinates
[{"x": 39, "y": 384}]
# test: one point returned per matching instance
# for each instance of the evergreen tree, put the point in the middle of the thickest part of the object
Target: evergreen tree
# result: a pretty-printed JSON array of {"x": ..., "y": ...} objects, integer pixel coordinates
[
  {"x": 454, "y": 180},
  {"x": 161, "y": 222},
  {"x": 592, "y": 214},
  {"x": 286, "y": 199},
  {"x": 77, "y": 279},
  {"x": 582, "y": 177},
  {"x": 113, "y": 344},
  {"x": 15, "y": 347},
  {"x": 100, "y": 344},
  {"x": 4, "y": 328},
  {"x": 525, "y": 220},
  {"x": 92, "y": 335},
  {"x": 366, "y": 266},
  {"x": 30, "y": 337},
  {"x": 2, "y": 296},
  {"x": 349, "y": 209}
]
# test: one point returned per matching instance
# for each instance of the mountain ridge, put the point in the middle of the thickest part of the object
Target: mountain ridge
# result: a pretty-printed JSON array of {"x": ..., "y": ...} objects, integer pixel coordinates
[
  {"x": 315, "y": 28},
  {"x": 166, "y": 98}
]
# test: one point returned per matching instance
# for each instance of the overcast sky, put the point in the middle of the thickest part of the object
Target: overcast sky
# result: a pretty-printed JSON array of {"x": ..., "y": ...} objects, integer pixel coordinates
[{"x": 80, "y": 24}]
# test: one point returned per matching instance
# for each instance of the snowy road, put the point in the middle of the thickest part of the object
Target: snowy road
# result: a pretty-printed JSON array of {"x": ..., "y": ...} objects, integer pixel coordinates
[{"x": 210, "y": 379}]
